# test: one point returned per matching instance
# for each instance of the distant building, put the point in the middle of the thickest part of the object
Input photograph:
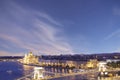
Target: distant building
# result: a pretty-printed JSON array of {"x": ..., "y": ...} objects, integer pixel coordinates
[
  {"x": 30, "y": 59},
  {"x": 112, "y": 60},
  {"x": 93, "y": 63}
]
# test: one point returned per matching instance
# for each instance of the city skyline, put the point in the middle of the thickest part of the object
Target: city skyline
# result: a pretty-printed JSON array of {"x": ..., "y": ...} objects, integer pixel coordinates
[{"x": 59, "y": 27}]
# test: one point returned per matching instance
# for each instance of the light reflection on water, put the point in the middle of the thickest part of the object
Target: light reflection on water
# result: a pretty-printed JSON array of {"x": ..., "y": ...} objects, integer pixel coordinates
[
  {"x": 109, "y": 78},
  {"x": 78, "y": 77},
  {"x": 83, "y": 77},
  {"x": 27, "y": 69},
  {"x": 58, "y": 70},
  {"x": 14, "y": 70}
]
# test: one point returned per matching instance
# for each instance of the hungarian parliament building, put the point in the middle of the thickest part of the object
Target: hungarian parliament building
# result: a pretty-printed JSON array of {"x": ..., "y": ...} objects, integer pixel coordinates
[{"x": 30, "y": 59}]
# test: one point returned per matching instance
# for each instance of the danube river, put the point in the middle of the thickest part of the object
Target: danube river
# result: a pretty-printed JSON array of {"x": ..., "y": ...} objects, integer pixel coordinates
[{"x": 14, "y": 70}]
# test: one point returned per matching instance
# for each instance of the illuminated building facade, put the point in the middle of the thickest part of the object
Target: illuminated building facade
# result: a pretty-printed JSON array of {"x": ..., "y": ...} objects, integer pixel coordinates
[
  {"x": 102, "y": 66},
  {"x": 93, "y": 63},
  {"x": 112, "y": 60},
  {"x": 30, "y": 59},
  {"x": 38, "y": 73}
]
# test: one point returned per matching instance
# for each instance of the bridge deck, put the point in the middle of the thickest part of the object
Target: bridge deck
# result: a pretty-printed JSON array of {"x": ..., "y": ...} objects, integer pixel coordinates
[{"x": 57, "y": 75}]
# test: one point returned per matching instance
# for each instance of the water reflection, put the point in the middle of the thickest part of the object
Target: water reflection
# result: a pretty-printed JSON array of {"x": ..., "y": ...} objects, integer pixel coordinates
[
  {"x": 58, "y": 70},
  {"x": 78, "y": 77},
  {"x": 12, "y": 70},
  {"x": 27, "y": 69},
  {"x": 109, "y": 78}
]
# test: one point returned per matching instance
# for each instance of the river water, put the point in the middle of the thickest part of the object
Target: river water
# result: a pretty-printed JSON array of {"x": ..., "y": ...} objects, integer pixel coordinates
[{"x": 15, "y": 70}]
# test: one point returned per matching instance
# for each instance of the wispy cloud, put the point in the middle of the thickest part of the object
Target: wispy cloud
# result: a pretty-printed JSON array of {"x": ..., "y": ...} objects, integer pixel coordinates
[
  {"x": 113, "y": 34},
  {"x": 31, "y": 30},
  {"x": 116, "y": 11},
  {"x": 6, "y": 53}
]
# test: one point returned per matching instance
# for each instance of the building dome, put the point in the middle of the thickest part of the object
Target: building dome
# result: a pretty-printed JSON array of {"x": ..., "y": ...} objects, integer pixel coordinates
[{"x": 30, "y": 59}]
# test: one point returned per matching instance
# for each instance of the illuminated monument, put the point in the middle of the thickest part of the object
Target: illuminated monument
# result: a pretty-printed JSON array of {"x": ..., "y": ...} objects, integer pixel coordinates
[
  {"x": 102, "y": 66},
  {"x": 30, "y": 59},
  {"x": 38, "y": 73}
]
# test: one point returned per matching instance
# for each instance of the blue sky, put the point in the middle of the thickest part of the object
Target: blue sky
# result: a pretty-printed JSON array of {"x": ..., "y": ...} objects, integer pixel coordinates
[{"x": 59, "y": 27}]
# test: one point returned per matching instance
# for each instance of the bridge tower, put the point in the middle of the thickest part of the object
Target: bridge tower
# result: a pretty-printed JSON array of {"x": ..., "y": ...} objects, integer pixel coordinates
[
  {"x": 102, "y": 66},
  {"x": 38, "y": 73}
]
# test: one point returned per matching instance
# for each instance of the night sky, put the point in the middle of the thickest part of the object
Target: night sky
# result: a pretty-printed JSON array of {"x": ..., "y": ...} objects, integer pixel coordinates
[{"x": 54, "y": 27}]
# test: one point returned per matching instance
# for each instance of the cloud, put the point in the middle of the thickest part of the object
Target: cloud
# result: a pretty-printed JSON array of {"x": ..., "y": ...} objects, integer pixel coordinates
[
  {"x": 6, "y": 53},
  {"x": 28, "y": 29},
  {"x": 116, "y": 11},
  {"x": 113, "y": 34}
]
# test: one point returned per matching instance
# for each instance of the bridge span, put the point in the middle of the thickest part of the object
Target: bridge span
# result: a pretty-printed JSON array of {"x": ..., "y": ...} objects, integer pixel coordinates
[{"x": 52, "y": 75}]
